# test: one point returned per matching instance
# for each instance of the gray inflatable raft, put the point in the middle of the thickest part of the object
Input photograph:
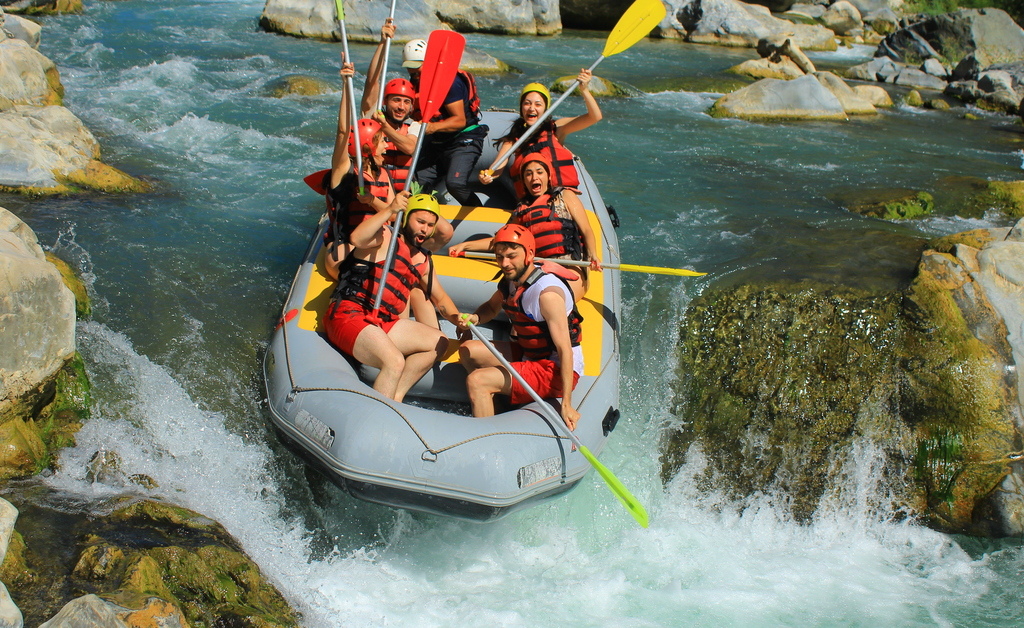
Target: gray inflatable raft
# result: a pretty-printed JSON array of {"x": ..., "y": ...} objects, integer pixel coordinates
[{"x": 428, "y": 454}]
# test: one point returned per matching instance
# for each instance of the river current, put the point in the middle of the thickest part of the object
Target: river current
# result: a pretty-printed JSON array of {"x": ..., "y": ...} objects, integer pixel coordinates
[{"x": 187, "y": 281}]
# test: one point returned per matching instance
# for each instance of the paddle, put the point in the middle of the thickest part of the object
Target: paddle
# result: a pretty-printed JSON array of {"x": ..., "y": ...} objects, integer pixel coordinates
[
  {"x": 440, "y": 64},
  {"x": 634, "y": 25},
  {"x": 626, "y": 498},
  {"x": 384, "y": 66},
  {"x": 633, "y": 268},
  {"x": 340, "y": 15}
]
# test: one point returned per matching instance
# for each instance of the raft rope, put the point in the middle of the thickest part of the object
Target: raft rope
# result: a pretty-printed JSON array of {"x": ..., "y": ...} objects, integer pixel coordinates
[{"x": 434, "y": 451}]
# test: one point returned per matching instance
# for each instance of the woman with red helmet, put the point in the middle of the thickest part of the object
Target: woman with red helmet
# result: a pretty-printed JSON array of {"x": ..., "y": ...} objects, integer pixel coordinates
[{"x": 347, "y": 206}]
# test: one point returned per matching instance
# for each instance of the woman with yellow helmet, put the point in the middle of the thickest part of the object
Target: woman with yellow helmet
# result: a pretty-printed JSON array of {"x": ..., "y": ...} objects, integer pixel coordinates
[{"x": 534, "y": 100}]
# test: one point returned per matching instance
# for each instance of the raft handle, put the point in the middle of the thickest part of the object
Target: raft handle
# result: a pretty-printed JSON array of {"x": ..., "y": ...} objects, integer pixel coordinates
[
  {"x": 429, "y": 456},
  {"x": 611, "y": 419}
]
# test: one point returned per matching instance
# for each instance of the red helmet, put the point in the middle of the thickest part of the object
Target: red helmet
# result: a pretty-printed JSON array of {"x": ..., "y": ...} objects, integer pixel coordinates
[
  {"x": 367, "y": 130},
  {"x": 517, "y": 234},
  {"x": 399, "y": 87},
  {"x": 519, "y": 164}
]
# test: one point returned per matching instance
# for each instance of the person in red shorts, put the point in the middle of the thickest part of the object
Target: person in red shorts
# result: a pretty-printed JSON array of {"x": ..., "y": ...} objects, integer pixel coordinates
[
  {"x": 403, "y": 349},
  {"x": 545, "y": 327}
]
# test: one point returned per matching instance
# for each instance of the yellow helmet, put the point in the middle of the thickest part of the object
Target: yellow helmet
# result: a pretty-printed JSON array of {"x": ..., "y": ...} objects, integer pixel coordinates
[
  {"x": 422, "y": 203},
  {"x": 540, "y": 89}
]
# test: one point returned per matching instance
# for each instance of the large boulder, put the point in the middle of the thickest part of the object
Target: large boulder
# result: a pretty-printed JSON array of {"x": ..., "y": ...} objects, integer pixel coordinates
[
  {"x": 592, "y": 14},
  {"x": 41, "y": 7},
  {"x": 734, "y": 23},
  {"x": 803, "y": 98},
  {"x": 853, "y": 103},
  {"x": 20, "y": 28},
  {"x": 415, "y": 20},
  {"x": 842, "y": 18},
  {"x": 47, "y": 150},
  {"x": 27, "y": 77},
  {"x": 988, "y": 35}
]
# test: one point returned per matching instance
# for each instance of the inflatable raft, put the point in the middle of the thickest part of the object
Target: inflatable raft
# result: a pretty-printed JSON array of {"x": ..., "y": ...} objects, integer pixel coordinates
[{"x": 429, "y": 454}]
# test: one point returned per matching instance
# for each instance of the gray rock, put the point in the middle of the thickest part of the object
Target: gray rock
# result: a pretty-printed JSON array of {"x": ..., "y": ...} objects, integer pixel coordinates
[
  {"x": 10, "y": 614},
  {"x": 842, "y": 18},
  {"x": 878, "y": 69},
  {"x": 912, "y": 77},
  {"x": 966, "y": 91},
  {"x": 734, "y": 23},
  {"x": 776, "y": 50},
  {"x": 23, "y": 74},
  {"x": 967, "y": 69},
  {"x": 41, "y": 143},
  {"x": 18, "y": 27},
  {"x": 990, "y": 34},
  {"x": 363, "y": 19},
  {"x": 810, "y": 11},
  {"x": 479, "y": 62},
  {"x": 871, "y": 6},
  {"x": 592, "y": 14},
  {"x": 526, "y": 17},
  {"x": 935, "y": 68},
  {"x": 882, "y": 21},
  {"x": 852, "y": 102},
  {"x": 38, "y": 313},
  {"x": 992, "y": 81},
  {"x": 874, "y": 94},
  {"x": 8, "y": 517},
  {"x": 772, "y": 99},
  {"x": 1016, "y": 72},
  {"x": 88, "y": 610}
]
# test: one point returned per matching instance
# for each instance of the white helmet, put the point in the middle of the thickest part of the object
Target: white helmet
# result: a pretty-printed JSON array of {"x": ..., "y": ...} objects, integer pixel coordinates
[{"x": 414, "y": 53}]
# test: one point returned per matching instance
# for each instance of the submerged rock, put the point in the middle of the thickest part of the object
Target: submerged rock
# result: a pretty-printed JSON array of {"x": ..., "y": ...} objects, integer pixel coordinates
[
  {"x": 297, "y": 85},
  {"x": 781, "y": 377},
  {"x": 887, "y": 203}
]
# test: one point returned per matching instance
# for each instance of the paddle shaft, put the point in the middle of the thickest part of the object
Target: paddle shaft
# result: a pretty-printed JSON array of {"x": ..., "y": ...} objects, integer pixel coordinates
[
  {"x": 543, "y": 118},
  {"x": 354, "y": 113},
  {"x": 384, "y": 66},
  {"x": 657, "y": 270}
]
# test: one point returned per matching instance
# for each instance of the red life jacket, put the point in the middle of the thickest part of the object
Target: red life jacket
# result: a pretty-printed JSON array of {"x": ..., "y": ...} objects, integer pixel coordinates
[
  {"x": 534, "y": 336},
  {"x": 555, "y": 235},
  {"x": 358, "y": 280},
  {"x": 347, "y": 213},
  {"x": 564, "y": 175},
  {"x": 396, "y": 162}
]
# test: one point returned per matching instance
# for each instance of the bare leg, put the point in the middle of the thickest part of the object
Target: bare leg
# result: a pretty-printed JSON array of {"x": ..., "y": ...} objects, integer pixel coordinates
[
  {"x": 374, "y": 348},
  {"x": 486, "y": 377},
  {"x": 422, "y": 346},
  {"x": 423, "y": 309}
]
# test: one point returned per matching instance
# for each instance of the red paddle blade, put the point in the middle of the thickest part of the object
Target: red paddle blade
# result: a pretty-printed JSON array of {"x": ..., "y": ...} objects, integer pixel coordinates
[
  {"x": 440, "y": 64},
  {"x": 318, "y": 181}
]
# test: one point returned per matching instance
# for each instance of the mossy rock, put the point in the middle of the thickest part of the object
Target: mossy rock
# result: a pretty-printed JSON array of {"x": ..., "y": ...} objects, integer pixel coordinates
[
  {"x": 14, "y": 571},
  {"x": 83, "y": 305},
  {"x": 96, "y": 176},
  {"x": 141, "y": 550},
  {"x": 599, "y": 87},
  {"x": 975, "y": 238},
  {"x": 479, "y": 62},
  {"x": 973, "y": 197},
  {"x": 45, "y": 7},
  {"x": 913, "y": 99},
  {"x": 886, "y": 203},
  {"x": 297, "y": 85}
]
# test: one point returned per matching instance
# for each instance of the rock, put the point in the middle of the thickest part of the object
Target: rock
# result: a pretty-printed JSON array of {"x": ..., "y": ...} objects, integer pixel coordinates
[
  {"x": 91, "y": 610},
  {"x": 415, "y": 20},
  {"x": 143, "y": 550},
  {"x": 887, "y": 203},
  {"x": 989, "y": 34},
  {"x": 882, "y": 21},
  {"x": 734, "y": 23},
  {"x": 967, "y": 69},
  {"x": 776, "y": 50},
  {"x": 992, "y": 81},
  {"x": 913, "y": 99},
  {"x": 912, "y": 77},
  {"x": 842, "y": 18},
  {"x": 105, "y": 468},
  {"x": 937, "y": 104},
  {"x": 935, "y": 68},
  {"x": 42, "y": 7},
  {"x": 599, "y": 15},
  {"x": 49, "y": 151},
  {"x": 83, "y": 305},
  {"x": 772, "y": 99},
  {"x": 10, "y": 614},
  {"x": 992, "y": 91},
  {"x": 786, "y": 378},
  {"x": 785, "y": 69},
  {"x": 599, "y": 87},
  {"x": 296, "y": 85},
  {"x": 851, "y": 101},
  {"x": 809, "y": 11},
  {"x": 874, "y": 94},
  {"x": 880, "y": 69},
  {"x": 38, "y": 321},
  {"x": 1015, "y": 70},
  {"x": 479, "y": 62},
  {"x": 974, "y": 197},
  {"x": 871, "y": 6},
  {"x": 775, "y": 6},
  {"x": 27, "y": 77},
  {"x": 21, "y": 28},
  {"x": 526, "y": 17},
  {"x": 363, "y": 19},
  {"x": 8, "y": 517}
]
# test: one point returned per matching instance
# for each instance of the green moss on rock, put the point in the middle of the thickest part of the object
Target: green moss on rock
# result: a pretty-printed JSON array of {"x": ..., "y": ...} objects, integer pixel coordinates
[{"x": 886, "y": 203}]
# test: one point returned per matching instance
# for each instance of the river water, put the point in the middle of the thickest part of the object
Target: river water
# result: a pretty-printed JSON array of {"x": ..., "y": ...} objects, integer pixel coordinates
[{"x": 187, "y": 281}]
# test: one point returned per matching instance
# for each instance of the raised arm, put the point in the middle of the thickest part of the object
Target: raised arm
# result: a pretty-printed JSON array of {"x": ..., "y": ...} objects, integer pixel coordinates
[
  {"x": 370, "y": 233},
  {"x": 371, "y": 90},
  {"x": 341, "y": 163},
  {"x": 565, "y": 126}
]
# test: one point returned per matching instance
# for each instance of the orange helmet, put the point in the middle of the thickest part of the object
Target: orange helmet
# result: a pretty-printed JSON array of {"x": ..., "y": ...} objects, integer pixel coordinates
[
  {"x": 517, "y": 234},
  {"x": 519, "y": 165},
  {"x": 399, "y": 87},
  {"x": 367, "y": 130}
]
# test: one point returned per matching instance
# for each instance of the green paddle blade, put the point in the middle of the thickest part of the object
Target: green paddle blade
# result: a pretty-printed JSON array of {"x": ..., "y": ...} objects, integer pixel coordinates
[
  {"x": 341, "y": 10},
  {"x": 659, "y": 270},
  {"x": 631, "y": 503},
  {"x": 634, "y": 25}
]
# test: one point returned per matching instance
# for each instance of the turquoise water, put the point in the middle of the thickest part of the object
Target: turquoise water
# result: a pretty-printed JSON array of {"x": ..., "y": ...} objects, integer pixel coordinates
[{"x": 187, "y": 281}]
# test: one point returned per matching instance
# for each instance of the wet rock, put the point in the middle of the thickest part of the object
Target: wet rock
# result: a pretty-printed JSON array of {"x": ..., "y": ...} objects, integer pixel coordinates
[
  {"x": 842, "y": 18},
  {"x": 912, "y": 77},
  {"x": 879, "y": 69},
  {"x": 21, "y": 28},
  {"x": 91, "y": 610},
  {"x": 599, "y": 87},
  {"x": 42, "y": 7},
  {"x": 887, "y": 203},
  {"x": 772, "y": 99},
  {"x": 479, "y": 62},
  {"x": 778, "y": 49},
  {"x": 874, "y": 94},
  {"x": 913, "y": 99},
  {"x": 105, "y": 468},
  {"x": 989, "y": 34},
  {"x": 83, "y": 304},
  {"x": 937, "y": 104},
  {"x": 734, "y": 23},
  {"x": 784, "y": 69},
  {"x": 974, "y": 197},
  {"x": 296, "y": 85},
  {"x": 780, "y": 377}
]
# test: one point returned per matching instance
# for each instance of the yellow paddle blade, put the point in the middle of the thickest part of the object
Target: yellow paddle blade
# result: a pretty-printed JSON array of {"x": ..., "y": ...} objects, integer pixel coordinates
[
  {"x": 634, "y": 25},
  {"x": 659, "y": 270},
  {"x": 631, "y": 503}
]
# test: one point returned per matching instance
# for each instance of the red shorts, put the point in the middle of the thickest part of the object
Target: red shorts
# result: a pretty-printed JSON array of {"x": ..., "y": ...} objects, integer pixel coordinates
[
  {"x": 345, "y": 325},
  {"x": 543, "y": 376}
]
